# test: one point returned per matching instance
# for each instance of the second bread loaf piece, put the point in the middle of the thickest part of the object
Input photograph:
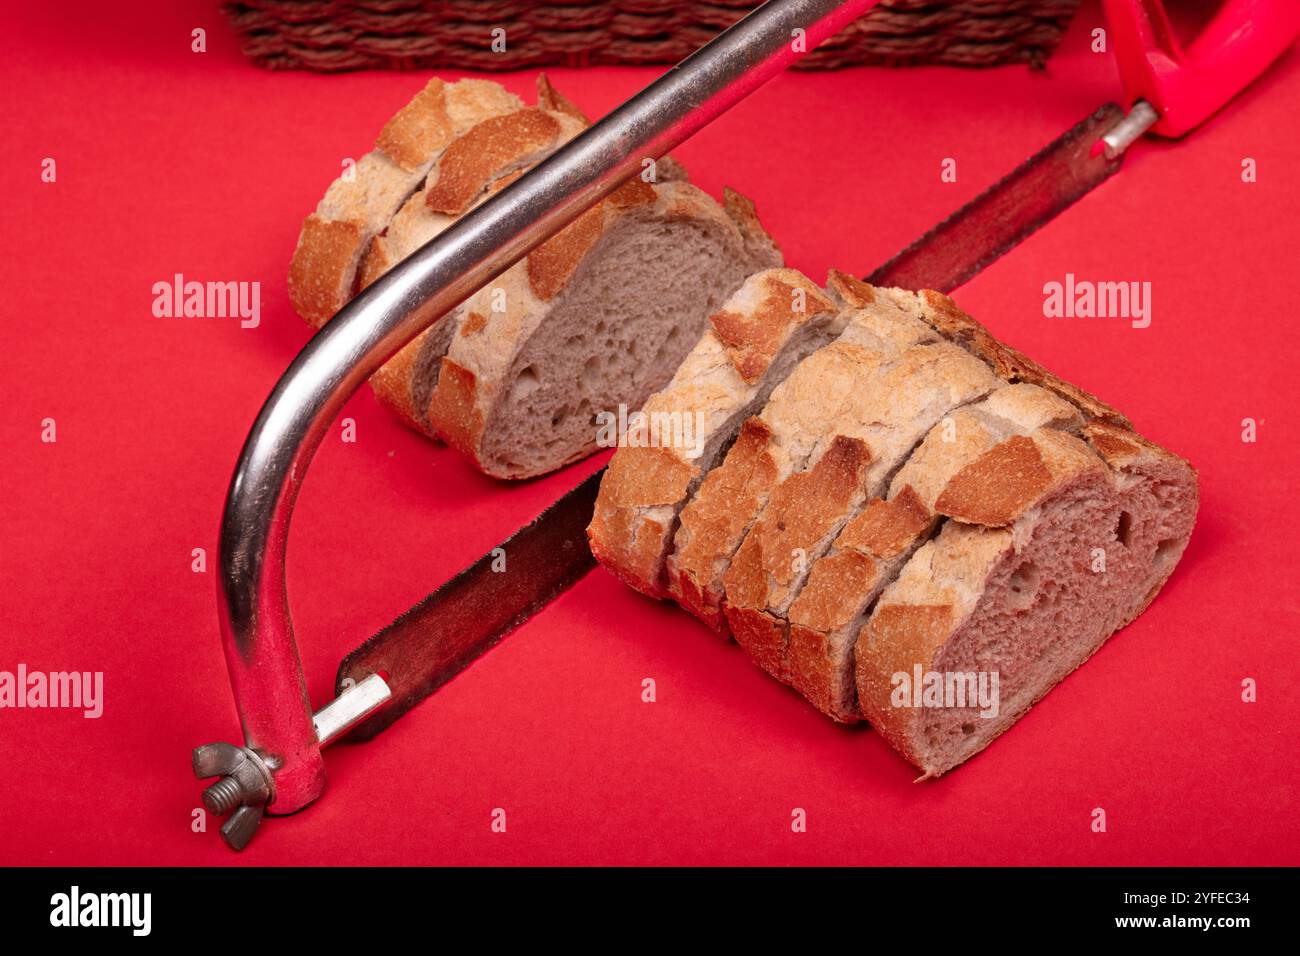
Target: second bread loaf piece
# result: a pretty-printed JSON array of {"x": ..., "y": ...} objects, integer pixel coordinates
[{"x": 917, "y": 501}]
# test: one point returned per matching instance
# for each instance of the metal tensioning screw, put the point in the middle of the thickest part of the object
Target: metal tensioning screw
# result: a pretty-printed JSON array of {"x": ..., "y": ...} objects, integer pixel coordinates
[{"x": 245, "y": 787}]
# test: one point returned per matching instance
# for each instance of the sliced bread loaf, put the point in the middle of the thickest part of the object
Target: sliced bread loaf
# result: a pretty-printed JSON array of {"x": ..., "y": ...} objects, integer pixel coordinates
[
  {"x": 1024, "y": 522},
  {"x": 594, "y": 319}
]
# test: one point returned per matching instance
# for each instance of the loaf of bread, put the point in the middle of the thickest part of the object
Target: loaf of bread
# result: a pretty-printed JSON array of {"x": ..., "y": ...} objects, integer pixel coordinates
[
  {"x": 597, "y": 318},
  {"x": 903, "y": 519}
]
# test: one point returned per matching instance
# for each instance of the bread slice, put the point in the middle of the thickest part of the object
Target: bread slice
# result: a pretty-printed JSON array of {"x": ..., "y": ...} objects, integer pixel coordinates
[
  {"x": 594, "y": 320},
  {"x": 1052, "y": 546},
  {"x": 806, "y": 455},
  {"x": 767, "y": 326},
  {"x": 871, "y": 549},
  {"x": 361, "y": 202}
]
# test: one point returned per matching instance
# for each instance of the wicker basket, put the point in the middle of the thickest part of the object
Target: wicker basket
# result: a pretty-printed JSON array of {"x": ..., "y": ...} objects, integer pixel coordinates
[{"x": 331, "y": 35}]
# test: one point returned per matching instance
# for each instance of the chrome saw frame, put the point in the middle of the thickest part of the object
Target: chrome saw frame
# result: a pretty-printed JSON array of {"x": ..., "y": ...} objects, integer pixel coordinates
[{"x": 282, "y": 743}]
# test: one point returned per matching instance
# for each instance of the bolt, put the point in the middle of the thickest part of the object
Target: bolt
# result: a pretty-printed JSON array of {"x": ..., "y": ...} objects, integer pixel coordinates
[
  {"x": 223, "y": 796},
  {"x": 245, "y": 787}
]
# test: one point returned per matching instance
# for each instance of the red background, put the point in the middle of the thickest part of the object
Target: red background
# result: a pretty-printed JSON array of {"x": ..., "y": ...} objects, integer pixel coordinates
[{"x": 170, "y": 161}]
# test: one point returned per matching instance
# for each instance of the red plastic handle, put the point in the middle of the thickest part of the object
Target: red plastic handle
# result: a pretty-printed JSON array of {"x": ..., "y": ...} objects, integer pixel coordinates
[{"x": 1187, "y": 86}]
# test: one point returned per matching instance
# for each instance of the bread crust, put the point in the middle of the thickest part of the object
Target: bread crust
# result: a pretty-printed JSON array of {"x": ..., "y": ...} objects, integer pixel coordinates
[
  {"x": 486, "y": 151},
  {"x": 997, "y": 487},
  {"x": 952, "y": 323},
  {"x": 753, "y": 336},
  {"x": 355, "y": 208},
  {"x": 549, "y": 98},
  {"x": 741, "y": 211},
  {"x": 1013, "y": 366},
  {"x": 418, "y": 129}
]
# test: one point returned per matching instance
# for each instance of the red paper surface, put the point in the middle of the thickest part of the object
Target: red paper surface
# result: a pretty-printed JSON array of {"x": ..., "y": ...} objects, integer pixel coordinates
[{"x": 170, "y": 161}]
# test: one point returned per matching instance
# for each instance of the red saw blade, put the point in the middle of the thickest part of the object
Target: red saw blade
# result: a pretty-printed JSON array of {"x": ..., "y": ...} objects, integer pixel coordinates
[{"x": 439, "y": 637}]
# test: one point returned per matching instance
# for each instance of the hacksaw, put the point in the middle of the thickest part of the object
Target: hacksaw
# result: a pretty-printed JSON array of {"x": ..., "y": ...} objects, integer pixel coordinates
[{"x": 1170, "y": 89}]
